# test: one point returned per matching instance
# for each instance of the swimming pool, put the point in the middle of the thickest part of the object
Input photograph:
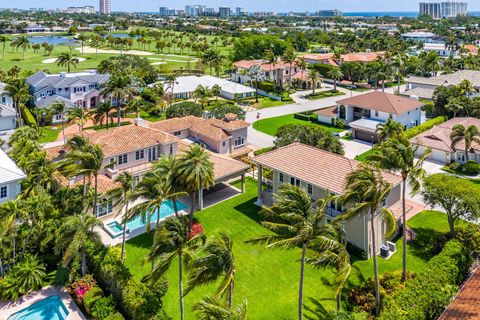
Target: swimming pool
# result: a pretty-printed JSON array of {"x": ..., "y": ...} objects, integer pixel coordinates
[
  {"x": 166, "y": 210},
  {"x": 51, "y": 308}
]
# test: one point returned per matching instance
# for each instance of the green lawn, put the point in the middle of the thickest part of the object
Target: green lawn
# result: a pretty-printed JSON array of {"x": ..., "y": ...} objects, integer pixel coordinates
[
  {"x": 50, "y": 134},
  {"x": 268, "y": 278},
  {"x": 323, "y": 94},
  {"x": 363, "y": 156},
  {"x": 271, "y": 125},
  {"x": 144, "y": 115},
  {"x": 266, "y": 102}
]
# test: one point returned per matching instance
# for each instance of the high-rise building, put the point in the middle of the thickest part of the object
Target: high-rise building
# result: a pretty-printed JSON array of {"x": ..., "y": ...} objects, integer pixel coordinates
[
  {"x": 166, "y": 11},
  {"x": 224, "y": 12},
  {"x": 446, "y": 9},
  {"x": 329, "y": 13},
  {"x": 105, "y": 7},
  {"x": 240, "y": 12},
  {"x": 85, "y": 9}
]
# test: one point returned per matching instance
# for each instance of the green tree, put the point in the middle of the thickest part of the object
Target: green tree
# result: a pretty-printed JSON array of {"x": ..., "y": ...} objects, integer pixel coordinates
[
  {"x": 4, "y": 40},
  {"x": 296, "y": 221},
  {"x": 78, "y": 115},
  {"x": 289, "y": 56},
  {"x": 74, "y": 235},
  {"x": 218, "y": 262},
  {"x": 173, "y": 240},
  {"x": 202, "y": 94},
  {"x": 58, "y": 107},
  {"x": 22, "y": 42},
  {"x": 211, "y": 308},
  {"x": 365, "y": 191},
  {"x": 25, "y": 277},
  {"x": 454, "y": 195},
  {"x": 120, "y": 88},
  {"x": 183, "y": 109},
  {"x": 67, "y": 59},
  {"x": 18, "y": 90},
  {"x": 389, "y": 129},
  {"x": 83, "y": 37},
  {"x": 398, "y": 155},
  {"x": 336, "y": 75},
  {"x": 168, "y": 168},
  {"x": 196, "y": 172},
  {"x": 468, "y": 135}
]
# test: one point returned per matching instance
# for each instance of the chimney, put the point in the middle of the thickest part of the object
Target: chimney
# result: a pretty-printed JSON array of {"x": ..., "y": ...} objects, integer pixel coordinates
[
  {"x": 230, "y": 117},
  {"x": 139, "y": 122}
]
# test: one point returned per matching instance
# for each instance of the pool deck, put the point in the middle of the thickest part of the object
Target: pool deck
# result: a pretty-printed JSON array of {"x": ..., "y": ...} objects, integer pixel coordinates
[
  {"x": 8, "y": 308},
  {"x": 212, "y": 197}
]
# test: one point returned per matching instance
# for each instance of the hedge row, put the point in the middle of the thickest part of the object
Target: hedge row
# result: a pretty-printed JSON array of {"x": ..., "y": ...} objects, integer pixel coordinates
[
  {"x": 415, "y": 131},
  {"x": 426, "y": 295},
  {"x": 27, "y": 116}
]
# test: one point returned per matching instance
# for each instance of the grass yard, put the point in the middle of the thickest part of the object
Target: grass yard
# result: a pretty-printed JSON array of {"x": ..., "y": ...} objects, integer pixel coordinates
[
  {"x": 271, "y": 125},
  {"x": 146, "y": 116},
  {"x": 324, "y": 94},
  {"x": 50, "y": 134},
  {"x": 268, "y": 278},
  {"x": 363, "y": 156},
  {"x": 266, "y": 102}
]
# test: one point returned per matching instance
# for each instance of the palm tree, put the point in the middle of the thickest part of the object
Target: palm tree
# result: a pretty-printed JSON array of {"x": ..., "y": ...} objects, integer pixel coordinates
[
  {"x": 296, "y": 221},
  {"x": 26, "y": 277},
  {"x": 467, "y": 135},
  {"x": 78, "y": 115},
  {"x": 336, "y": 75},
  {"x": 73, "y": 236},
  {"x": 82, "y": 37},
  {"x": 86, "y": 163},
  {"x": 18, "y": 90},
  {"x": 256, "y": 73},
  {"x": 168, "y": 168},
  {"x": 11, "y": 212},
  {"x": 389, "y": 129},
  {"x": 456, "y": 105},
  {"x": 120, "y": 88},
  {"x": 67, "y": 59},
  {"x": 173, "y": 240},
  {"x": 22, "y": 42},
  {"x": 123, "y": 194},
  {"x": 101, "y": 113},
  {"x": 196, "y": 172},
  {"x": 289, "y": 57},
  {"x": 314, "y": 75},
  {"x": 4, "y": 40},
  {"x": 59, "y": 108},
  {"x": 217, "y": 262},
  {"x": 216, "y": 91},
  {"x": 366, "y": 189},
  {"x": 211, "y": 308},
  {"x": 202, "y": 94},
  {"x": 397, "y": 155}
]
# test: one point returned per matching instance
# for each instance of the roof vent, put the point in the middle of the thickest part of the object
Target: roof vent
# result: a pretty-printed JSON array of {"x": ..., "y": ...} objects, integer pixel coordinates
[{"x": 230, "y": 117}]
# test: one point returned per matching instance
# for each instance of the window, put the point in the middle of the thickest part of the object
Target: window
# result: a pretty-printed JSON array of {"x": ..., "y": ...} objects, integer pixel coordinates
[
  {"x": 280, "y": 177},
  {"x": 294, "y": 181},
  {"x": 136, "y": 180},
  {"x": 309, "y": 189},
  {"x": 376, "y": 113},
  {"x": 104, "y": 207},
  {"x": 122, "y": 159},
  {"x": 4, "y": 100},
  {"x": 240, "y": 141},
  {"x": 152, "y": 154},
  {"x": 3, "y": 192},
  {"x": 58, "y": 117},
  {"x": 171, "y": 149},
  {"x": 139, "y": 154},
  {"x": 177, "y": 133},
  {"x": 223, "y": 143},
  {"x": 460, "y": 157}
]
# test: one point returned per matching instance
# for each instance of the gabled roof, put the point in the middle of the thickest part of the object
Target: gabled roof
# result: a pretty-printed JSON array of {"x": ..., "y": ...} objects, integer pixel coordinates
[
  {"x": 315, "y": 166},
  {"x": 382, "y": 101},
  {"x": 9, "y": 171},
  {"x": 438, "y": 137},
  {"x": 451, "y": 79},
  {"x": 48, "y": 101},
  {"x": 41, "y": 79}
]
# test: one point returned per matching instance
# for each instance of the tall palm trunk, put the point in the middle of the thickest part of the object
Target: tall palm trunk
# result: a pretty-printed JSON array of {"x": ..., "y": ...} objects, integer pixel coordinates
[
  {"x": 84, "y": 262},
  {"x": 467, "y": 147},
  {"x": 157, "y": 225},
  {"x": 338, "y": 298},
  {"x": 124, "y": 233},
  {"x": 180, "y": 284},
  {"x": 95, "y": 195},
  {"x": 404, "y": 231},
  {"x": 192, "y": 208},
  {"x": 14, "y": 249},
  {"x": 375, "y": 267},
  {"x": 118, "y": 111},
  {"x": 230, "y": 292},
  {"x": 300, "y": 287},
  {"x": 175, "y": 206},
  {"x": 2, "y": 268},
  {"x": 290, "y": 77}
]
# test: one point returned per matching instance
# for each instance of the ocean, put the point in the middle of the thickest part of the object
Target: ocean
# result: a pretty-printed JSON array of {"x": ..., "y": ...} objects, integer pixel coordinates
[{"x": 407, "y": 14}]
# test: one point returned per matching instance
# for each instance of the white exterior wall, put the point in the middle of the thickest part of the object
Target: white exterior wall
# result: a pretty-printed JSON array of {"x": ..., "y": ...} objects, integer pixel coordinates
[
  {"x": 410, "y": 119},
  {"x": 13, "y": 189},
  {"x": 8, "y": 123}
]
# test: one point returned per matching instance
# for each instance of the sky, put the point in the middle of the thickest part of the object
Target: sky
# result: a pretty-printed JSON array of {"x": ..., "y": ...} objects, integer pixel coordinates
[{"x": 249, "y": 5}]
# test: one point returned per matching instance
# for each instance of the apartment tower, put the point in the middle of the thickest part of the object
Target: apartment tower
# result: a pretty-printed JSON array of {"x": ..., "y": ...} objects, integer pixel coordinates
[{"x": 105, "y": 7}]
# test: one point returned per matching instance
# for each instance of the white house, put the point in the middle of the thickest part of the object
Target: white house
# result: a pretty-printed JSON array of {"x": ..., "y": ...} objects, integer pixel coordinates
[
  {"x": 438, "y": 140},
  {"x": 185, "y": 86},
  {"x": 8, "y": 114},
  {"x": 10, "y": 178},
  {"x": 364, "y": 112}
]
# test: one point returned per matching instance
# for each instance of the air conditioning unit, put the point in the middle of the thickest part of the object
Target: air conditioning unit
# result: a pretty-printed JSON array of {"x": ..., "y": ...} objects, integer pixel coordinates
[
  {"x": 112, "y": 173},
  {"x": 392, "y": 246},
  {"x": 384, "y": 252}
]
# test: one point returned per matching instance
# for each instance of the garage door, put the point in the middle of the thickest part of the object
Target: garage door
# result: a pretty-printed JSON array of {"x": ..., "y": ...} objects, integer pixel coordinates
[
  {"x": 364, "y": 135},
  {"x": 436, "y": 155}
]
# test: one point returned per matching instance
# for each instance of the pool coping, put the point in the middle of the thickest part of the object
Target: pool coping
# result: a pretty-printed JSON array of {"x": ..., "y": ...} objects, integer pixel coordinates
[{"x": 7, "y": 308}]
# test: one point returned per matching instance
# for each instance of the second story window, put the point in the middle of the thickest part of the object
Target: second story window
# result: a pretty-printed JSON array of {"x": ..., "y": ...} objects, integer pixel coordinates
[
  {"x": 139, "y": 154},
  {"x": 122, "y": 159},
  {"x": 177, "y": 133},
  {"x": 280, "y": 177},
  {"x": 171, "y": 149},
  {"x": 309, "y": 189},
  {"x": 3, "y": 192},
  {"x": 240, "y": 141}
]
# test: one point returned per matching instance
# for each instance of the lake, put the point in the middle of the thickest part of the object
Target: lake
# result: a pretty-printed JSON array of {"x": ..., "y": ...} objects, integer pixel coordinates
[{"x": 52, "y": 40}]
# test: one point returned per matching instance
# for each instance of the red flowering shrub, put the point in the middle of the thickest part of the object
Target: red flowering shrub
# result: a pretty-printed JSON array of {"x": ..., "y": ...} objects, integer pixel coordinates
[
  {"x": 81, "y": 286},
  {"x": 197, "y": 229}
]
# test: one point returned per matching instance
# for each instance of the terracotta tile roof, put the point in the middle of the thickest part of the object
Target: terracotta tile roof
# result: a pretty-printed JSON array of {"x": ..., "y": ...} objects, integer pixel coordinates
[
  {"x": 318, "y": 56},
  {"x": 361, "y": 56},
  {"x": 318, "y": 167},
  {"x": 466, "y": 305},
  {"x": 213, "y": 128},
  {"x": 382, "y": 101},
  {"x": 438, "y": 137},
  {"x": 247, "y": 64},
  {"x": 329, "y": 112},
  {"x": 472, "y": 49}
]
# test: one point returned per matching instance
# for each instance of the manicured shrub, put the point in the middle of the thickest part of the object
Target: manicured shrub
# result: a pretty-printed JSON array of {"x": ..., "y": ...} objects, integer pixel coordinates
[
  {"x": 115, "y": 316},
  {"x": 197, "y": 229},
  {"x": 266, "y": 86},
  {"x": 103, "y": 307},
  {"x": 426, "y": 295},
  {"x": 219, "y": 112},
  {"x": 301, "y": 116},
  {"x": 412, "y": 132},
  {"x": 184, "y": 109},
  {"x": 91, "y": 296},
  {"x": 340, "y": 123},
  {"x": 262, "y": 151},
  {"x": 471, "y": 167},
  {"x": 27, "y": 116},
  {"x": 81, "y": 286}
]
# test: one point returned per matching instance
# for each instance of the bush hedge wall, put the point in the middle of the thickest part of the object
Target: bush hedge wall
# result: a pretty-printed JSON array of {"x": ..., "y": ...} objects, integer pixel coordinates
[{"x": 412, "y": 132}]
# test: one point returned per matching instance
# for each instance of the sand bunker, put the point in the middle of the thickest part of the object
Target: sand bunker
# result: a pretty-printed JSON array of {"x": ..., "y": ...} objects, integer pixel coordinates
[{"x": 53, "y": 60}]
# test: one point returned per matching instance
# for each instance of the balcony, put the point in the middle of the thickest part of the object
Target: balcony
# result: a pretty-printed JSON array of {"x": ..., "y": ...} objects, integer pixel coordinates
[{"x": 332, "y": 212}]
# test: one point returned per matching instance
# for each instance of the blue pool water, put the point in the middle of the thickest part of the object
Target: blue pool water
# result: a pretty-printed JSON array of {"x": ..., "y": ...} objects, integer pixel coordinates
[
  {"x": 51, "y": 308},
  {"x": 165, "y": 210}
]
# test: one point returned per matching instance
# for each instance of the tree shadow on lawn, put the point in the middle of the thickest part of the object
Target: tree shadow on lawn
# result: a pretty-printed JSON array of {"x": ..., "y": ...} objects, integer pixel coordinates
[
  {"x": 427, "y": 243},
  {"x": 315, "y": 309},
  {"x": 250, "y": 209},
  {"x": 142, "y": 241}
]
